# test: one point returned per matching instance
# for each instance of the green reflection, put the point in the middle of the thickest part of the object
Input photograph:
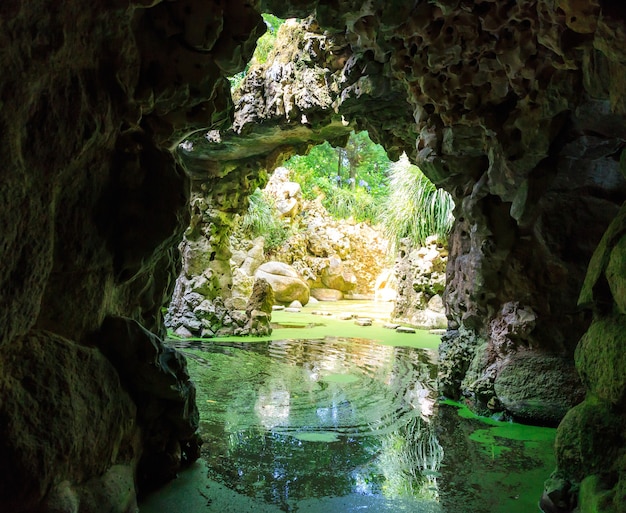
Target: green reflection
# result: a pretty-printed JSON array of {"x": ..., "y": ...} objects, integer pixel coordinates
[{"x": 348, "y": 424}]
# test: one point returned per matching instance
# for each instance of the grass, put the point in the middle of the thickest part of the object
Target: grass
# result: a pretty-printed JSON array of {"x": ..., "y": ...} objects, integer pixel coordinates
[
  {"x": 414, "y": 207},
  {"x": 262, "y": 218}
]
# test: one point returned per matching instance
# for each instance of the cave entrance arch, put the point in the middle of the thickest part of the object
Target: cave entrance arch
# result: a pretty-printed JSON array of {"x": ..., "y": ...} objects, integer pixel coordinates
[{"x": 522, "y": 169}]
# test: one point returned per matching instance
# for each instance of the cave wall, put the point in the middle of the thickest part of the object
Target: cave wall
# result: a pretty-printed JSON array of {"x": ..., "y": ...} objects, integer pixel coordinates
[
  {"x": 94, "y": 202},
  {"x": 516, "y": 108}
]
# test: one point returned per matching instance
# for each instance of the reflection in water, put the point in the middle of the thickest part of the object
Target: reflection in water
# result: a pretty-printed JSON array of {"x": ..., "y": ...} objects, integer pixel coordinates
[{"x": 292, "y": 422}]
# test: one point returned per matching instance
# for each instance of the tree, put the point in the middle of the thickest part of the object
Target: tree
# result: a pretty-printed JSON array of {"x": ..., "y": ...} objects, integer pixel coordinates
[{"x": 351, "y": 179}]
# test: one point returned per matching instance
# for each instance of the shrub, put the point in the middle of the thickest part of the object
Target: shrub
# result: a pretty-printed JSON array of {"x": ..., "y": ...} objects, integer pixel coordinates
[{"x": 262, "y": 218}]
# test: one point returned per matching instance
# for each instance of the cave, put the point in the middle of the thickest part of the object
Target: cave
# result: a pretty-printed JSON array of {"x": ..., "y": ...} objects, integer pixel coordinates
[{"x": 518, "y": 109}]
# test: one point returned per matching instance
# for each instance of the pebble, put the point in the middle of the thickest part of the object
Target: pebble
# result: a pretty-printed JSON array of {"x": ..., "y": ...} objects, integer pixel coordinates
[
  {"x": 391, "y": 326},
  {"x": 405, "y": 329},
  {"x": 363, "y": 322}
]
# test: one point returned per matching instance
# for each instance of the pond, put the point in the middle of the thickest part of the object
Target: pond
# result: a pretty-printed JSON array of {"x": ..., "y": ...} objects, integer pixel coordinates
[{"x": 346, "y": 424}]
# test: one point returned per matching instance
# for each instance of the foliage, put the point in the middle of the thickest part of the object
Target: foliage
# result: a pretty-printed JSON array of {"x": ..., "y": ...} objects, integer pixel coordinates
[
  {"x": 343, "y": 203},
  {"x": 264, "y": 46},
  {"x": 351, "y": 179},
  {"x": 414, "y": 207},
  {"x": 262, "y": 218}
]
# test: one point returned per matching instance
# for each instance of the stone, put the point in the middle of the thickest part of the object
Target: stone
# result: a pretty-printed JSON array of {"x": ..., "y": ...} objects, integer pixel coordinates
[
  {"x": 157, "y": 380},
  {"x": 262, "y": 297},
  {"x": 183, "y": 332},
  {"x": 295, "y": 304},
  {"x": 335, "y": 276},
  {"x": 429, "y": 319},
  {"x": 538, "y": 388},
  {"x": 291, "y": 309},
  {"x": 420, "y": 277},
  {"x": 346, "y": 316},
  {"x": 435, "y": 304},
  {"x": 391, "y": 325},
  {"x": 405, "y": 329},
  {"x": 322, "y": 294},
  {"x": 79, "y": 385},
  {"x": 285, "y": 281},
  {"x": 363, "y": 322},
  {"x": 258, "y": 312},
  {"x": 601, "y": 359}
]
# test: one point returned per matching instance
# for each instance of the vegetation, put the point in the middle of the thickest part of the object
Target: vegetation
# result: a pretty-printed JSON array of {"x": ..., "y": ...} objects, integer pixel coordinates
[
  {"x": 264, "y": 219},
  {"x": 414, "y": 207},
  {"x": 352, "y": 180}
]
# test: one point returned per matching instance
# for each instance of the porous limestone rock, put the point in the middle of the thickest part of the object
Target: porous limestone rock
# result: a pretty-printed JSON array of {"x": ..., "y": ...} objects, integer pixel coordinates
[
  {"x": 285, "y": 281},
  {"x": 287, "y": 194},
  {"x": 420, "y": 277},
  {"x": 335, "y": 254}
]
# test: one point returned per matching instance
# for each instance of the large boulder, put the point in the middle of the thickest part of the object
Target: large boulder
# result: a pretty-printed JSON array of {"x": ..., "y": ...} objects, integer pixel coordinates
[
  {"x": 323, "y": 294},
  {"x": 53, "y": 391},
  {"x": 286, "y": 283},
  {"x": 337, "y": 277},
  {"x": 538, "y": 387},
  {"x": 287, "y": 194}
]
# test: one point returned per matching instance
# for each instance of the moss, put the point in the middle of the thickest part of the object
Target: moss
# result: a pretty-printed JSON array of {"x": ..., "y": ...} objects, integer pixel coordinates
[
  {"x": 601, "y": 359},
  {"x": 593, "y": 498},
  {"x": 595, "y": 287},
  {"x": 616, "y": 274},
  {"x": 586, "y": 439},
  {"x": 320, "y": 436}
]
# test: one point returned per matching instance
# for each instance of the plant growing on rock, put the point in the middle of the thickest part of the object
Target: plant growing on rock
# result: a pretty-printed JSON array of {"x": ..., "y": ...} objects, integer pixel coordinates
[{"x": 263, "y": 219}]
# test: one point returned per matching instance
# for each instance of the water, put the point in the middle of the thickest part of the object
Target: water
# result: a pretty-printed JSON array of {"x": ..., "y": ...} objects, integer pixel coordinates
[{"x": 346, "y": 425}]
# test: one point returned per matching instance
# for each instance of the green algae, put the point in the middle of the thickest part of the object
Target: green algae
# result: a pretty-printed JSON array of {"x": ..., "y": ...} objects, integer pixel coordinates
[
  {"x": 307, "y": 325},
  {"x": 340, "y": 378},
  {"x": 320, "y": 436},
  {"x": 511, "y": 460}
]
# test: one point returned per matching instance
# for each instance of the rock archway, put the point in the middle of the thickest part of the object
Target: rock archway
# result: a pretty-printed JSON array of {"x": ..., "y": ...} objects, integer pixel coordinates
[{"x": 517, "y": 108}]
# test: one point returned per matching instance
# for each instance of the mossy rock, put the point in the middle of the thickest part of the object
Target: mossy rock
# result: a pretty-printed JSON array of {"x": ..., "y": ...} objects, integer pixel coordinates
[
  {"x": 586, "y": 439},
  {"x": 538, "y": 388},
  {"x": 594, "y": 498},
  {"x": 601, "y": 358},
  {"x": 596, "y": 290}
]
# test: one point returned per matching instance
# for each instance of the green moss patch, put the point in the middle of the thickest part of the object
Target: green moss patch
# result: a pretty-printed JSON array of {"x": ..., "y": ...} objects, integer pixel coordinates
[{"x": 325, "y": 436}]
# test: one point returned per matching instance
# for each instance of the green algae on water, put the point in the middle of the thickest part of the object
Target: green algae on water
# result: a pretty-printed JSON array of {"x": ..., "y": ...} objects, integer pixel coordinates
[
  {"x": 320, "y": 436},
  {"x": 340, "y": 378}
]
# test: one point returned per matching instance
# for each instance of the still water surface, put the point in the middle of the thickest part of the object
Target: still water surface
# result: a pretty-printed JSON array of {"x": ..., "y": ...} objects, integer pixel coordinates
[{"x": 347, "y": 425}]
